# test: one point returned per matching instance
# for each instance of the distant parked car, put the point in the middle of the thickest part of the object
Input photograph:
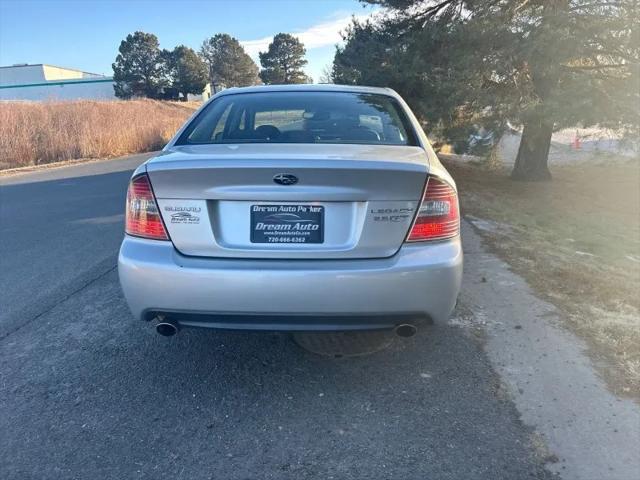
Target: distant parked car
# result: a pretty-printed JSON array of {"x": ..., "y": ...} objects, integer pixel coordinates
[
  {"x": 480, "y": 142},
  {"x": 294, "y": 208}
]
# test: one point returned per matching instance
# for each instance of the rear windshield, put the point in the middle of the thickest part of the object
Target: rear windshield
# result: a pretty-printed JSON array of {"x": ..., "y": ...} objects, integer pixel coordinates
[{"x": 301, "y": 117}]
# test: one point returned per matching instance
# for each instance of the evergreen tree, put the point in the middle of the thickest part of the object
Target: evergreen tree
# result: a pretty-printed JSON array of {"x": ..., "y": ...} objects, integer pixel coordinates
[
  {"x": 284, "y": 60},
  {"x": 539, "y": 64},
  {"x": 138, "y": 70},
  {"x": 229, "y": 65},
  {"x": 186, "y": 71}
]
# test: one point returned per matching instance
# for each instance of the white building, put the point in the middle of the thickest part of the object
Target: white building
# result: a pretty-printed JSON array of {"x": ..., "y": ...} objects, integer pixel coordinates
[
  {"x": 48, "y": 82},
  {"x": 204, "y": 96}
]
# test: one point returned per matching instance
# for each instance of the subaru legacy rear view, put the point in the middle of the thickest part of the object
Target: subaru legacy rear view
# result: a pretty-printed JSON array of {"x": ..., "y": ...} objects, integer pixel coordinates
[{"x": 300, "y": 208}]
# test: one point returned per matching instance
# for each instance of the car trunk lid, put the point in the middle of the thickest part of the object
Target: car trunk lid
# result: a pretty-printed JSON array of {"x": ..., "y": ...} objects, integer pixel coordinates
[{"x": 347, "y": 201}]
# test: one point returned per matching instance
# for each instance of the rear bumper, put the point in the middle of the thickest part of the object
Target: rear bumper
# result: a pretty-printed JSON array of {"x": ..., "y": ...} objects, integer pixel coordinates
[{"x": 420, "y": 282}]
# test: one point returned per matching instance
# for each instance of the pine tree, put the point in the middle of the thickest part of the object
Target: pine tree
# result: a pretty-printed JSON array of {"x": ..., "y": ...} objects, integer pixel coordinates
[
  {"x": 539, "y": 64},
  {"x": 139, "y": 68},
  {"x": 284, "y": 61},
  {"x": 187, "y": 72},
  {"x": 229, "y": 65}
]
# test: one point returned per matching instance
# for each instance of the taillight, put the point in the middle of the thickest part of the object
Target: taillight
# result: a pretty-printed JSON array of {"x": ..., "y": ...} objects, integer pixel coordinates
[
  {"x": 143, "y": 217},
  {"x": 438, "y": 217}
]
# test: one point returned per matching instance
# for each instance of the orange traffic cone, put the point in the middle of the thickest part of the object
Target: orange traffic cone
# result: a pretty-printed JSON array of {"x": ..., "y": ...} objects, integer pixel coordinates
[{"x": 576, "y": 142}]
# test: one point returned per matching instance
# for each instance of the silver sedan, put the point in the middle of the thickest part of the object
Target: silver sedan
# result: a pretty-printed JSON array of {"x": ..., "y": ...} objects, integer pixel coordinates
[{"x": 300, "y": 208}]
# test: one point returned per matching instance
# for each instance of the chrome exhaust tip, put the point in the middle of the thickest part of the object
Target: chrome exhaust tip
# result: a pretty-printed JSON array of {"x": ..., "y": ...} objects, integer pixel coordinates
[
  {"x": 405, "y": 330},
  {"x": 167, "y": 329}
]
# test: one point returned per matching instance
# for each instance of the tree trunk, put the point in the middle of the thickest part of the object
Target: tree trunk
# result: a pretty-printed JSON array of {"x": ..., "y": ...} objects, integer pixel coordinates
[{"x": 533, "y": 153}]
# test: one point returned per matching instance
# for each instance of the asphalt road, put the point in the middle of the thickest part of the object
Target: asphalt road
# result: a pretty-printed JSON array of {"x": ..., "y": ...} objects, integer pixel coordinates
[{"x": 86, "y": 391}]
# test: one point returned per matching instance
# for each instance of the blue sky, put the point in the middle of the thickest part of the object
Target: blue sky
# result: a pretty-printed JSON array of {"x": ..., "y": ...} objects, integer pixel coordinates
[{"x": 86, "y": 34}]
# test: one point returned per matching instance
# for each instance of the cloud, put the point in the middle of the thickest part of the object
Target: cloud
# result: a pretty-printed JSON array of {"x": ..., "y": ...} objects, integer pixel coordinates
[
  {"x": 253, "y": 47},
  {"x": 321, "y": 35}
]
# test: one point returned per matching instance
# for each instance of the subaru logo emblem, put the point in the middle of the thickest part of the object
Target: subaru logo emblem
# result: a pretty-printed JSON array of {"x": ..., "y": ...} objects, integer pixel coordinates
[{"x": 285, "y": 179}]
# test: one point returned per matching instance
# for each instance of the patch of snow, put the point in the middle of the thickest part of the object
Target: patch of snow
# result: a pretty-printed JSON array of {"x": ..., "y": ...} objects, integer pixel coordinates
[
  {"x": 592, "y": 141},
  {"x": 489, "y": 225},
  {"x": 633, "y": 258}
]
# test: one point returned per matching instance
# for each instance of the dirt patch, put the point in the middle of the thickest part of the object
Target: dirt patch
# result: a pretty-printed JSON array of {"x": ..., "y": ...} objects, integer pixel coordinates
[{"x": 577, "y": 242}]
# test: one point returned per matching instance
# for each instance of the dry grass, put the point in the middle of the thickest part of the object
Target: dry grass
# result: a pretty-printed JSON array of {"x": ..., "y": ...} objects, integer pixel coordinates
[
  {"x": 577, "y": 241},
  {"x": 38, "y": 133}
]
